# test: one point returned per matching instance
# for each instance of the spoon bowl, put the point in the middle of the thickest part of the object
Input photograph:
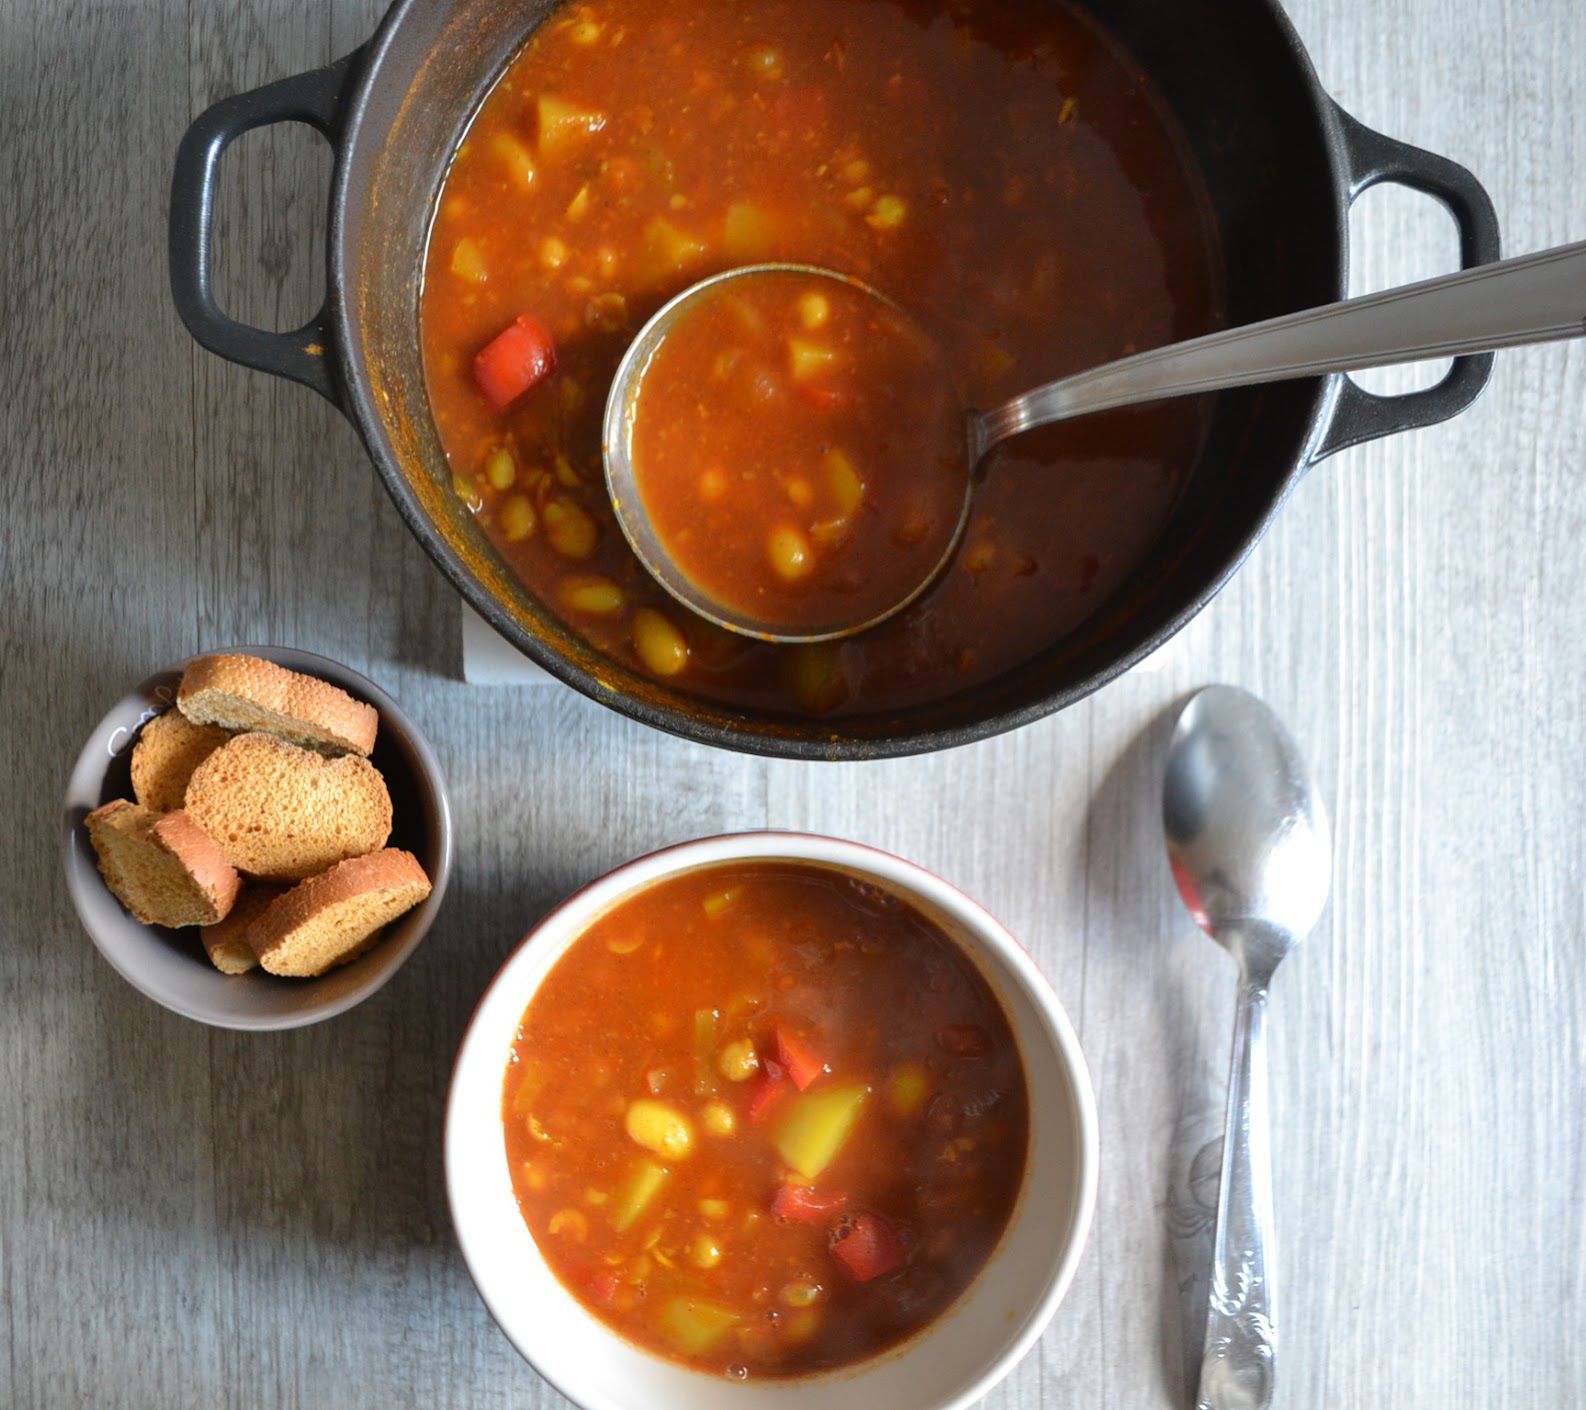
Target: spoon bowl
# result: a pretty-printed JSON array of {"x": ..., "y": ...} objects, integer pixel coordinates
[
  {"x": 1251, "y": 854},
  {"x": 1247, "y": 833}
]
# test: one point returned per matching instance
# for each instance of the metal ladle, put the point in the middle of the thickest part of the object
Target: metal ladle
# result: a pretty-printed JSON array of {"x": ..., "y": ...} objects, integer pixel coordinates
[{"x": 1536, "y": 298}]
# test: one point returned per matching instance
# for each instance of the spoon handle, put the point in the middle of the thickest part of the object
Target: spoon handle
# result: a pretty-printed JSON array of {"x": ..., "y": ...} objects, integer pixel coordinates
[
  {"x": 1237, "y": 1360},
  {"x": 1533, "y": 299}
]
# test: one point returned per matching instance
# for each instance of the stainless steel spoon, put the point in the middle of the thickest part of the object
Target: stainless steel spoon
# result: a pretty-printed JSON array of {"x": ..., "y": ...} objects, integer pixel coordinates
[
  {"x": 1534, "y": 299},
  {"x": 1251, "y": 853}
]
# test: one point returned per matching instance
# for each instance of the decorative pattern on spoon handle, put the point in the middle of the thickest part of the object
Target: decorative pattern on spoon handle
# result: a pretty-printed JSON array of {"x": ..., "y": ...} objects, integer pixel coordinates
[{"x": 1237, "y": 1362}]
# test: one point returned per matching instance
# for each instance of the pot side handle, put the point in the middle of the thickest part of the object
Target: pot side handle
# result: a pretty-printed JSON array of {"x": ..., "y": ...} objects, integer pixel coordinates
[
  {"x": 1371, "y": 158},
  {"x": 306, "y": 354}
]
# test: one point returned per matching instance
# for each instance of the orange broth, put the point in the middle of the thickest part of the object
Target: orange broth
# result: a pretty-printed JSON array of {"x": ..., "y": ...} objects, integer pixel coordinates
[
  {"x": 1001, "y": 169},
  {"x": 765, "y": 1119},
  {"x": 800, "y": 450}
]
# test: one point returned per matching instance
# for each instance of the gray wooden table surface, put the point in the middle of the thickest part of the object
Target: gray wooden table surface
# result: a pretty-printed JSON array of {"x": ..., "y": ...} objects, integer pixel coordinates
[{"x": 197, "y": 1218}]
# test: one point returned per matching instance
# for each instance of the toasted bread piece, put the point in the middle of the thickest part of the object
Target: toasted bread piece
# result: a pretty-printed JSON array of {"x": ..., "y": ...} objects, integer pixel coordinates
[
  {"x": 169, "y": 748},
  {"x": 336, "y": 916},
  {"x": 162, "y": 867},
  {"x": 246, "y": 693},
  {"x": 226, "y": 941},
  {"x": 283, "y": 813}
]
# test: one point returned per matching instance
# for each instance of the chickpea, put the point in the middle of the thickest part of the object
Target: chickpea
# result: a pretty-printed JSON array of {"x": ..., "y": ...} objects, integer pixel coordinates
[
  {"x": 659, "y": 1128},
  {"x": 814, "y": 310},
  {"x": 704, "y": 1251},
  {"x": 568, "y": 527},
  {"x": 591, "y": 594},
  {"x": 887, "y": 213},
  {"x": 518, "y": 519},
  {"x": 789, "y": 552},
  {"x": 553, "y": 252},
  {"x": 718, "y": 1119},
  {"x": 500, "y": 468},
  {"x": 738, "y": 1061},
  {"x": 661, "y": 647}
]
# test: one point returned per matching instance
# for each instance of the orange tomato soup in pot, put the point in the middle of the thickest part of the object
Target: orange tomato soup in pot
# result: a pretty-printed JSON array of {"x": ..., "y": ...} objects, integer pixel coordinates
[
  {"x": 765, "y": 1119},
  {"x": 999, "y": 169}
]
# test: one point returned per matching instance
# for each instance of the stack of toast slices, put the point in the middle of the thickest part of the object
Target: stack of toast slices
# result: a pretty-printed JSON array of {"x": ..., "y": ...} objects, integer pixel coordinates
[{"x": 257, "y": 816}]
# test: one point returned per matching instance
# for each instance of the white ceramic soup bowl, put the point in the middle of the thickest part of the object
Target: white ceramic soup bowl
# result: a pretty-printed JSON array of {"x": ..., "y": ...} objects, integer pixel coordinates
[{"x": 954, "y": 1360}]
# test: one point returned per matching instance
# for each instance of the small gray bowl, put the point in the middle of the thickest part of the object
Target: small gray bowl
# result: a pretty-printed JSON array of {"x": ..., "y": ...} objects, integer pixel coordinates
[{"x": 170, "y": 966}]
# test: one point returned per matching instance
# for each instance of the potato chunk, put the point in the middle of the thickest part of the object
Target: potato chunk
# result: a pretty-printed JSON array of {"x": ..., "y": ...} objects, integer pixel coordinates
[
  {"x": 642, "y": 1187},
  {"x": 807, "y": 360},
  {"x": 562, "y": 125},
  {"x": 816, "y": 1125},
  {"x": 693, "y": 1326},
  {"x": 667, "y": 249}
]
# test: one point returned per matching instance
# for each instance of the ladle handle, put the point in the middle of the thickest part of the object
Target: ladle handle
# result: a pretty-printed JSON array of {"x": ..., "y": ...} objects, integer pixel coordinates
[
  {"x": 1237, "y": 1360},
  {"x": 1533, "y": 299}
]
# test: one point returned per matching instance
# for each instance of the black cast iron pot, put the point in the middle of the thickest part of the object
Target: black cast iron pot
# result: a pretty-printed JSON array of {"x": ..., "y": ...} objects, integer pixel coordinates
[{"x": 1281, "y": 160}]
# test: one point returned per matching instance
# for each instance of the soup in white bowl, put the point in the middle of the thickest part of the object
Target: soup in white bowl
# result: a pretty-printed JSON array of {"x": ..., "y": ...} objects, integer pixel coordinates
[{"x": 963, "y": 1342}]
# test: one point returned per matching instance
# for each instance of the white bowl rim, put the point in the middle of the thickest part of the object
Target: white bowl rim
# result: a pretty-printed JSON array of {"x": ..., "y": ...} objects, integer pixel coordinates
[
  {"x": 772, "y": 844},
  {"x": 87, "y": 775}
]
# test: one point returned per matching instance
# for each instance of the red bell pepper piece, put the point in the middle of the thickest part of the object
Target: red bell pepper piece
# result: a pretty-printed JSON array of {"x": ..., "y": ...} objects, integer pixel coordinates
[
  {"x": 803, "y": 1205},
  {"x": 867, "y": 1246},
  {"x": 514, "y": 360},
  {"x": 797, "y": 1058},
  {"x": 602, "y": 1286},
  {"x": 769, "y": 1089}
]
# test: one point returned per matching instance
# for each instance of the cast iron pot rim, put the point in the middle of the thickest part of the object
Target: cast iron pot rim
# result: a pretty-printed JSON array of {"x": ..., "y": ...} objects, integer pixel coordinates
[{"x": 359, "y": 406}]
